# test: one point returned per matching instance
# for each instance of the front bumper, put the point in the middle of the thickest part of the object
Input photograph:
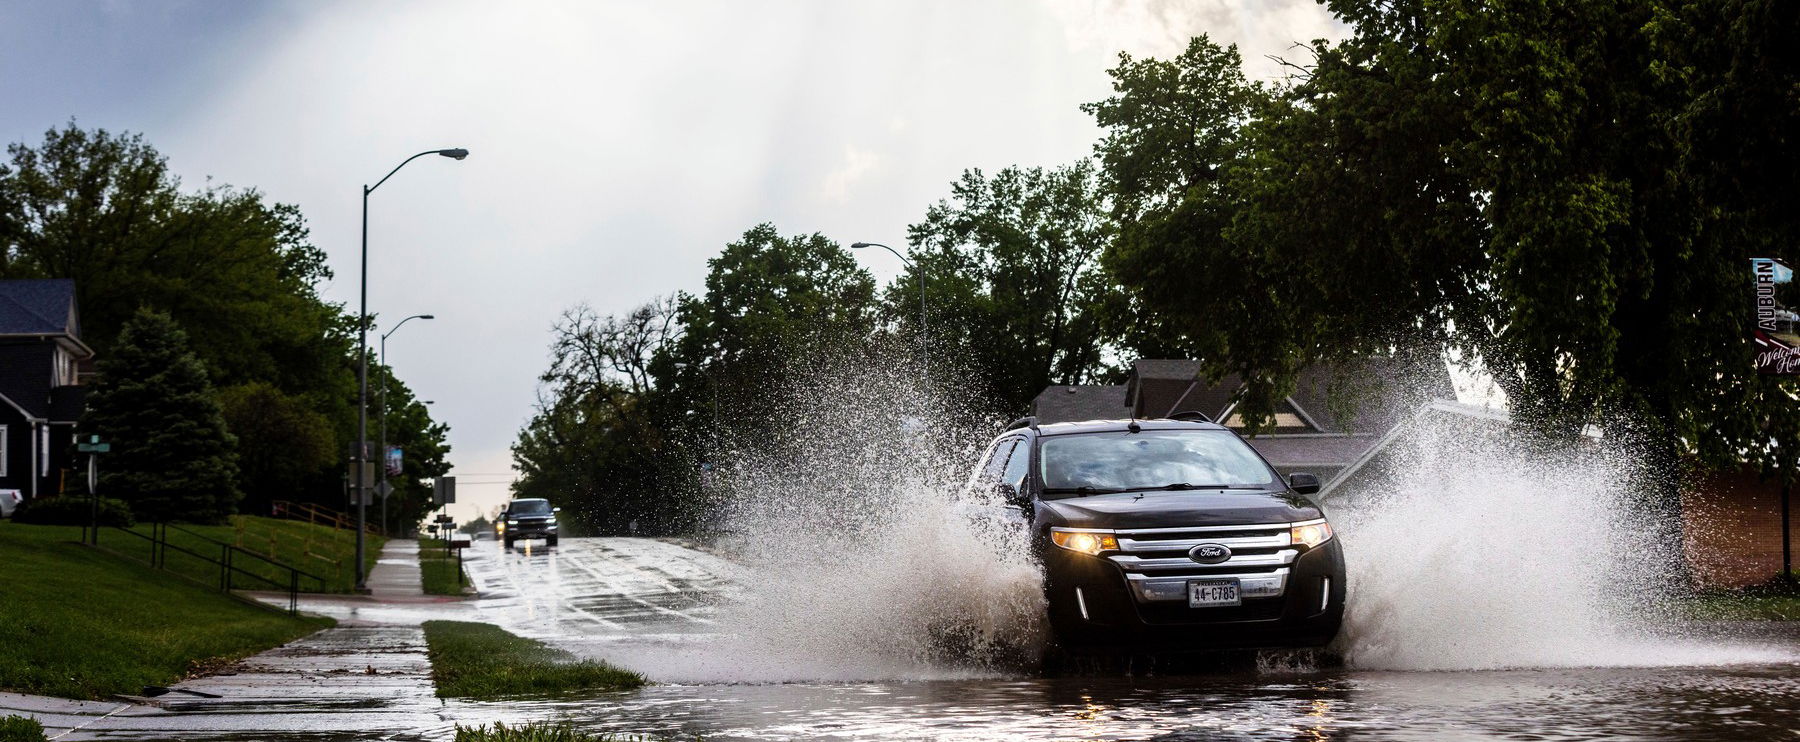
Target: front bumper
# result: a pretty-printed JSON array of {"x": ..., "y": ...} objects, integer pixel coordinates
[
  {"x": 530, "y": 530},
  {"x": 1294, "y": 599}
]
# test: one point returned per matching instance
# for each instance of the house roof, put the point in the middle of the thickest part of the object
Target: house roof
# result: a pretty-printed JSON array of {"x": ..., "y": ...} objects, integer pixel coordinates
[
  {"x": 1064, "y": 403},
  {"x": 1469, "y": 418},
  {"x": 1364, "y": 395},
  {"x": 43, "y": 306}
]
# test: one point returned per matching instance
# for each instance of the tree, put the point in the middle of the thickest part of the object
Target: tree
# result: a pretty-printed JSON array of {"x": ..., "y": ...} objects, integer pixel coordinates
[
  {"x": 172, "y": 458},
  {"x": 606, "y": 438},
  {"x": 1513, "y": 183},
  {"x": 769, "y": 300},
  {"x": 1013, "y": 278},
  {"x": 281, "y": 442}
]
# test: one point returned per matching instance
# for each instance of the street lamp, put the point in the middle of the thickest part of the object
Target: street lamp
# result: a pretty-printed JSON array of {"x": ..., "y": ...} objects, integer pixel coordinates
[
  {"x": 924, "y": 332},
  {"x": 382, "y": 488},
  {"x": 362, "y": 364}
]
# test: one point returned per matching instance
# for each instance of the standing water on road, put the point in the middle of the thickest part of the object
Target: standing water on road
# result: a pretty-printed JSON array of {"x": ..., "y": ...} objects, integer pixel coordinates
[{"x": 867, "y": 596}]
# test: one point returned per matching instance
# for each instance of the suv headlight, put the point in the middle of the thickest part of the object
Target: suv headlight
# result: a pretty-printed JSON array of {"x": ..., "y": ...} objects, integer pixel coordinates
[
  {"x": 1086, "y": 542},
  {"x": 1310, "y": 534}
]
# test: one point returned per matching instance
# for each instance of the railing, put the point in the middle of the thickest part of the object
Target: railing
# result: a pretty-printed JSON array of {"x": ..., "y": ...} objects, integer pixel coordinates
[
  {"x": 226, "y": 561},
  {"x": 321, "y": 515}
]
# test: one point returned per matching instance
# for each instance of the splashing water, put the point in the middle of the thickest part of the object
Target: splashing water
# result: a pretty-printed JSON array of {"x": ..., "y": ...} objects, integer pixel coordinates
[
  {"x": 867, "y": 559},
  {"x": 1470, "y": 552}
]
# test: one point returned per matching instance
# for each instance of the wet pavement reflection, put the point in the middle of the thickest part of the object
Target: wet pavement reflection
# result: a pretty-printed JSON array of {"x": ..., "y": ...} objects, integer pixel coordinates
[{"x": 629, "y": 599}]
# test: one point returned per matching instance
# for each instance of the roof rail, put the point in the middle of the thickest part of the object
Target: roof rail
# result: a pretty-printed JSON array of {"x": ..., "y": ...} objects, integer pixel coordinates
[
  {"x": 1029, "y": 421},
  {"x": 1191, "y": 416}
]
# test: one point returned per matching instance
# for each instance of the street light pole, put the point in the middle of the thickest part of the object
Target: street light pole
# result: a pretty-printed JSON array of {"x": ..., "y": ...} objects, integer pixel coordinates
[
  {"x": 924, "y": 331},
  {"x": 382, "y": 488},
  {"x": 362, "y": 368}
]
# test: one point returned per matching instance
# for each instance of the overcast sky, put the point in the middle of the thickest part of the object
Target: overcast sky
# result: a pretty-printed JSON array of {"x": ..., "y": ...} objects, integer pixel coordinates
[{"x": 615, "y": 145}]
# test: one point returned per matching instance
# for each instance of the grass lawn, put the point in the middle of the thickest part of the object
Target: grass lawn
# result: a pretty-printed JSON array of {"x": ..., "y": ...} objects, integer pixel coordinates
[
  {"x": 26, "y": 729},
  {"x": 483, "y": 662},
  {"x": 438, "y": 574},
  {"x": 81, "y": 623},
  {"x": 1733, "y": 607},
  {"x": 532, "y": 733},
  {"x": 319, "y": 550}
]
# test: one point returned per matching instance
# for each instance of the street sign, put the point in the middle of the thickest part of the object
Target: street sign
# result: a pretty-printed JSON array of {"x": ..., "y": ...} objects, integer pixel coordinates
[
  {"x": 443, "y": 491},
  {"x": 384, "y": 489},
  {"x": 362, "y": 475},
  {"x": 393, "y": 461},
  {"x": 93, "y": 445}
]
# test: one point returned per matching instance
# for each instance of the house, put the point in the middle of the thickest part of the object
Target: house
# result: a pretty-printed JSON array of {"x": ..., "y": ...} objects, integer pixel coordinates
[
  {"x": 42, "y": 360},
  {"x": 1336, "y": 413}
]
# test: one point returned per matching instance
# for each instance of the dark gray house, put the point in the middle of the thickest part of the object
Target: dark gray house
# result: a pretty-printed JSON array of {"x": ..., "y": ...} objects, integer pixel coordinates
[
  {"x": 42, "y": 360},
  {"x": 1335, "y": 415}
]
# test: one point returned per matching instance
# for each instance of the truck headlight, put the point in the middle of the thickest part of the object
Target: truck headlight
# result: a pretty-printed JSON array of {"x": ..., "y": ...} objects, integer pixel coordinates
[
  {"x": 1310, "y": 534},
  {"x": 1086, "y": 542}
]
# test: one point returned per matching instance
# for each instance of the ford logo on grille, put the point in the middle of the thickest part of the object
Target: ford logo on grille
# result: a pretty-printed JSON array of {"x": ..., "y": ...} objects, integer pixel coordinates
[{"x": 1210, "y": 553}]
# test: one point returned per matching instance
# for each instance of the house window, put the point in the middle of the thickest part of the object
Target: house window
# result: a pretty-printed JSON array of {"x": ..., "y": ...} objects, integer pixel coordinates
[{"x": 3, "y": 449}]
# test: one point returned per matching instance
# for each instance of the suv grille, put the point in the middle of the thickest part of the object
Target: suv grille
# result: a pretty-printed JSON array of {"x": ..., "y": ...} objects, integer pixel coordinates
[{"x": 1157, "y": 566}]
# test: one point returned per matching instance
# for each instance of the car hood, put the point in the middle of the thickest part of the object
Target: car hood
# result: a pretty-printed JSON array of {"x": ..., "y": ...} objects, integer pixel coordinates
[{"x": 1178, "y": 509}]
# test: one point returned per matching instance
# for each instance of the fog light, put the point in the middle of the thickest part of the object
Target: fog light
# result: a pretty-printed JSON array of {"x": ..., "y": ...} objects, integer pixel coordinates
[{"x": 1086, "y": 542}]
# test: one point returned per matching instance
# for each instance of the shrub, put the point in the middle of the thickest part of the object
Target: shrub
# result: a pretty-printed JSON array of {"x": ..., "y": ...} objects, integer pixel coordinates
[
  {"x": 73, "y": 510},
  {"x": 21, "y": 729}
]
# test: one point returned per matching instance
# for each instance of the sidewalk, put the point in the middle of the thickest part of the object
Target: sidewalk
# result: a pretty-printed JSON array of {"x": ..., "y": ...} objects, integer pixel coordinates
[
  {"x": 396, "y": 572},
  {"x": 347, "y": 682}
]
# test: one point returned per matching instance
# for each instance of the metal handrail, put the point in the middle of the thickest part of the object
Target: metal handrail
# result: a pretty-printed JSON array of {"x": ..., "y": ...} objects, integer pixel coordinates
[
  {"x": 160, "y": 546},
  {"x": 247, "y": 552}
]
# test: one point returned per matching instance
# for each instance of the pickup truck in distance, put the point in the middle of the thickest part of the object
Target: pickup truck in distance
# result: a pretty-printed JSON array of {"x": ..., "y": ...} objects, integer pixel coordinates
[
  {"x": 1169, "y": 535},
  {"x": 527, "y": 519}
]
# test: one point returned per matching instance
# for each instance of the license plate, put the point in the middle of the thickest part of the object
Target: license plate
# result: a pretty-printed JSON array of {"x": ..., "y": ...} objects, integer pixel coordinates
[{"x": 1213, "y": 593}]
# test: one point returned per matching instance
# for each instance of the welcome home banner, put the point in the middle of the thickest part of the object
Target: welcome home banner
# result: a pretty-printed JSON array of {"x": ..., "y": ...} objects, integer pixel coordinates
[{"x": 1777, "y": 341}]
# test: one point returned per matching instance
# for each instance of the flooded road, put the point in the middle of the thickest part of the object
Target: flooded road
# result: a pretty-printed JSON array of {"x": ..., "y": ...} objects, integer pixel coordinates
[{"x": 655, "y": 607}]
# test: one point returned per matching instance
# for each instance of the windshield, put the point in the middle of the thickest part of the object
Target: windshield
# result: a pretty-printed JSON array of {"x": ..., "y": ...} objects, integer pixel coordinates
[
  {"x": 530, "y": 507},
  {"x": 1089, "y": 463}
]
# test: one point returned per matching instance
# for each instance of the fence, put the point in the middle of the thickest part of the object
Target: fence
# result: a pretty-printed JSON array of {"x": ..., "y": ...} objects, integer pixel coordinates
[{"x": 230, "y": 571}]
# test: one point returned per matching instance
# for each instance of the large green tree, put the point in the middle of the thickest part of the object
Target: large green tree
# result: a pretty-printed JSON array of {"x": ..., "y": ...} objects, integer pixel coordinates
[
  {"x": 237, "y": 272},
  {"x": 1013, "y": 280},
  {"x": 1514, "y": 182},
  {"x": 171, "y": 457},
  {"x": 769, "y": 301}
]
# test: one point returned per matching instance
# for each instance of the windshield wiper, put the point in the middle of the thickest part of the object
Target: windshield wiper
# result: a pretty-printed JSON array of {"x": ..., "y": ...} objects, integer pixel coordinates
[
  {"x": 1186, "y": 486},
  {"x": 1083, "y": 490}
]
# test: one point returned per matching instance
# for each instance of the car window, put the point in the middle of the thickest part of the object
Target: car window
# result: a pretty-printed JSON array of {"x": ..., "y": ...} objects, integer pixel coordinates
[
  {"x": 994, "y": 465},
  {"x": 1150, "y": 459},
  {"x": 1017, "y": 466},
  {"x": 530, "y": 507}
]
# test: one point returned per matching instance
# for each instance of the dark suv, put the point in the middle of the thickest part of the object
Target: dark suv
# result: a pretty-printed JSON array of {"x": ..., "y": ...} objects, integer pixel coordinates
[
  {"x": 527, "y": 519},
  {"x": 1169, "y": 534}
]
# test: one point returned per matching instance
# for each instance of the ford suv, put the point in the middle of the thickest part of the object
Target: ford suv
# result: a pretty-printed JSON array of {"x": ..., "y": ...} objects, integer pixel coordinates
[{"x": 1172, "y": 534}]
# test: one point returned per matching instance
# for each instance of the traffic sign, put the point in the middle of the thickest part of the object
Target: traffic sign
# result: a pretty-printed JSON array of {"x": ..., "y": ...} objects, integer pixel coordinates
[{"x": 384, "y": 489}]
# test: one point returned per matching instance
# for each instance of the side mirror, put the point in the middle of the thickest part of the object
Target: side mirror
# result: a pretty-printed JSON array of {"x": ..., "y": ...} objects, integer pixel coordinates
[
  {"x": 1304, "y": 483},
  {"x": 1010, "y": 495}
]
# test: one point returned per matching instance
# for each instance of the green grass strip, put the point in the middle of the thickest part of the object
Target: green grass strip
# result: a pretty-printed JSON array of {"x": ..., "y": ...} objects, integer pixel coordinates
[
  {"x": 78, "y": 622},
  {"x": 535, "y": 732},
  {"x": 438, "y": 573},
  {"x": 26, "y": 729},
  {"x": 483, "y": 662}
]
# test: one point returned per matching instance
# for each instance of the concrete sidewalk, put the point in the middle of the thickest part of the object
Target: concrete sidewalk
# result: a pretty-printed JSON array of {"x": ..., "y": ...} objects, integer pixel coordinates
[
  {"x": 396, "y": 572},
  {"x": 347, "y": 682}
]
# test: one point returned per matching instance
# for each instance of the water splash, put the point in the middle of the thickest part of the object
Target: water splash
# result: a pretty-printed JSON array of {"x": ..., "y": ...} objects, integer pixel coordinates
[
  {"x": 868, "y": 558},
  {"x": 1472, "y": 551}
]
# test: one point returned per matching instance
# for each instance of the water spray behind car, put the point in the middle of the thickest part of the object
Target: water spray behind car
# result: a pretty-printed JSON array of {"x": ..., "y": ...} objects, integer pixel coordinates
[{"x": 868, "y": 557}]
